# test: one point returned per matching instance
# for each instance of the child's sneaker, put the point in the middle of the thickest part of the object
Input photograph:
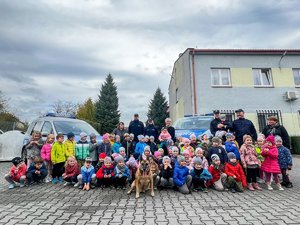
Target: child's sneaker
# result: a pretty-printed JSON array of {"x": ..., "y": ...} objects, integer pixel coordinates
[
  {"x": 11, "y": 186},
  {"x": 67, "y": 183},
  {"x": 60, "y": 180},
  {"x": 269, "y": 187},
  {"x": 255, "y": 185},
  {"x": 54, "y": 180},
  {"x": 250, "y": 187},
  {"x": 48, "y": 179},
  {"x": 279, "y": 187},
  {"x": 76, "y": 185}
]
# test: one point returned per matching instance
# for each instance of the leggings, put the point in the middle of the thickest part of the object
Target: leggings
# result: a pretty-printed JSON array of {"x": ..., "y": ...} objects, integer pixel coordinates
[
  {"x": 275, "y": 177},
  {"x": 58, "y": 169},
  {"x": 285, "y": 176},
  {"x": 252, "y": 173}
]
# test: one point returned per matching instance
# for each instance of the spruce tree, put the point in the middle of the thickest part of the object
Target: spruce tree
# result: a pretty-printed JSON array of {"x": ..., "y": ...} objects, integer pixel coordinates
[
  {"x": 107, "y": 113},
  {"x": 158, "y": 108}
]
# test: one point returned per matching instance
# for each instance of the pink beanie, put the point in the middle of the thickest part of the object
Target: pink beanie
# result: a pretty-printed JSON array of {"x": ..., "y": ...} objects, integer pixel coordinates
[{"x": 157, "y": 154}]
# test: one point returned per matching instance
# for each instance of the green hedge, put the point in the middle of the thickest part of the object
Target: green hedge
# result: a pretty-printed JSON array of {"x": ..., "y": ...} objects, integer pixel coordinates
[{"x": 295, "y": 143}]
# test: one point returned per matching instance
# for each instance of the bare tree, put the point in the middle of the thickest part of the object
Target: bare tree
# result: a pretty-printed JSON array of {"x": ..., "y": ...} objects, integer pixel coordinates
[
  {"x": 64, "y": 108},
  {"x": 3, "y": 103}
]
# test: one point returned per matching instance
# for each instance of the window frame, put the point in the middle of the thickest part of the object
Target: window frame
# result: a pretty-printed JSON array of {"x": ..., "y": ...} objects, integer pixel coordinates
[
  {"x": 261, "y": 85},
  {"x": 220, "y": 77},
  {"x": 296, "y": 69}
]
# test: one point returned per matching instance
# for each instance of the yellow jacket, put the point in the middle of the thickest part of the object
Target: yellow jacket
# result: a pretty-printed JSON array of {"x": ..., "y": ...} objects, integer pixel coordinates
[{"x": 70, "y": 148}]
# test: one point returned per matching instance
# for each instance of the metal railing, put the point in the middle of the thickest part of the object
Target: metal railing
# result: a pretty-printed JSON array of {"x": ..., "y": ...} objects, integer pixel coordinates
[{"x": 262, "y": 116}]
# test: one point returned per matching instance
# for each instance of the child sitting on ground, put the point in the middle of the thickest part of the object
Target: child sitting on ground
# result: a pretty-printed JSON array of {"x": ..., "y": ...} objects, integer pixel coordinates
[
  {"x": 132, "y": 166},
  {"x": 100, "y": 161},
  {"x": 37, "y": 171},
  {"x": 71, "y": 171},
  {"x": 199, "y": 176},
  {"x": 121, "y": 173},
  {"x": 181, "y": 177},
  {"x": 105, "y": 174},
  {"x": 166, "y": 173},
  {"x": 250, "y": 162},
  {"x": 270, "y": 164},
  {"x": 156, "y": 172},
  {"x": 17, "y": 173},
  {"x": 87, "y": 178},
  {"x": 285, "y": 162},
  {"x": 217, "y": 171},
  {"x": 46, "y": 155},
  {"x": 235, "y": 175}
]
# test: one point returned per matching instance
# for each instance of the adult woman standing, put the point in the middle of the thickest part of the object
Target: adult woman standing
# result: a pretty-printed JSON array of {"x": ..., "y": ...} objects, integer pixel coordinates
[{"x": 120, "y": 130}]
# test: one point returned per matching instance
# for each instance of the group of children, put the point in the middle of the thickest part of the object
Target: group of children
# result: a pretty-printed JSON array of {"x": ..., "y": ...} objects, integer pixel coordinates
[{"x": 186, "y": 165}]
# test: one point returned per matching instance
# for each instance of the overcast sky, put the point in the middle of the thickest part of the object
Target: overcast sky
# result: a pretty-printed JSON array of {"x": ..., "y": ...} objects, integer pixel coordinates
[{"x": 54, "y": 49}]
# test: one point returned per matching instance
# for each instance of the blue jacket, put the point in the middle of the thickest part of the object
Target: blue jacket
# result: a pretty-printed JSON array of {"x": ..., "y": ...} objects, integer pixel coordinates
[
  {"x": 241, "y": 127},
  {"x": 43, "y": 170},
  {"x": 87, "y": 174},
  {"x": 284, "y": 157},
  {"x": 180, "y": 174},
  {"x": 139, "y": 148},
  {"x": 205, "y": 175},
  {"x": 231, "y": 147},
  {"x": 220, "y": 151},
  {"x": 116, "y": 147},
  {"x": 125, "y": 174}
]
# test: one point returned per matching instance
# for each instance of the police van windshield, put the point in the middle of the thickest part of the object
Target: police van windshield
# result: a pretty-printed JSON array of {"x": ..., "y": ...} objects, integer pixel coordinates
[
  {"x": 190, "y": 123},
  {"x": 76, "y": 127}
]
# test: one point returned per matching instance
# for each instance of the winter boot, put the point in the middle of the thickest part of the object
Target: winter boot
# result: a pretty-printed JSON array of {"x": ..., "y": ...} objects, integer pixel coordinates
[{"x": 250, "y": 187}]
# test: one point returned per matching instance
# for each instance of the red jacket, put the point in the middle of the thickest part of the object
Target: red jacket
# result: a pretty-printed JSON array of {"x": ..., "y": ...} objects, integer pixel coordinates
[
  {"x": 236, "y": 170},
  {"x": 72, "y": 171},
  {"x": 16, "y": 174},
  {"x": 216, "y": 174},
  {"x": 105, "y": 171}
]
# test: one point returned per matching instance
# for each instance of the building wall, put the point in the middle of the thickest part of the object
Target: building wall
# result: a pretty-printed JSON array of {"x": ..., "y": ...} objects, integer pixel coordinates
[{"x": 243, "y": 94}]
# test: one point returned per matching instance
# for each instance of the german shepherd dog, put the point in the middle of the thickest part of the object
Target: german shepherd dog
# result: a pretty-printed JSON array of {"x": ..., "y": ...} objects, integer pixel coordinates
[{"x": 143, "y": 179}]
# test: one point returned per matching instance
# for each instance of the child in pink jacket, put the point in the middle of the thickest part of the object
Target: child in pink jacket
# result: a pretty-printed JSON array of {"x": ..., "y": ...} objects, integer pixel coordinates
[
  {"x": 270, "y": 164},
  {"x": 46, "y": 155}
]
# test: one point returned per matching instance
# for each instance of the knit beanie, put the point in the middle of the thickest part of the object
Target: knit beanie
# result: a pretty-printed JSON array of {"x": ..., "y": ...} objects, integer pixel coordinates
[
  {"x": 214, "y": 157},
  {"x": 140, "y": 137},
  {"x": 121, "y": 149},
  {"x": 16, "y": 161},
  {"x": 216, "y": 140},
  {"x": 147, "y": 148},
  {"x": 105, "y": 136},
  {"x": 228, "y": 135},
  {"x": 102, "y": 155},
  {"x": 197, "y": 160},
  {"x": 119, "y": 158},
  {"x": 186, "y": 152},
  {"x": 180, "y": 159},
  {"x": 83, "y": 134},
  {"x": 70, "y": 135},
  {"x": 132, "y": 162},
  {"x": 271, "y": 139},
  {"x": 166, "y": 158},
  {"x": 278, "y": 138},
  {"x": 107, "y": 159},
  {"x": 115, "y": 155},
  {"x": 157, "y": 154},
  {"x": 92, "y": 135},
  {"x": 198, "y": 150},
  {"x": 231, "y": 155}
]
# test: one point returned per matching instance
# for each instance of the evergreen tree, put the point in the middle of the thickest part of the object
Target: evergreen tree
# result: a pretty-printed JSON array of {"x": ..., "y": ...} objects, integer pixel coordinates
[
  {"x": 107, "y": 113},
  {"x": 158, "y": 108}
]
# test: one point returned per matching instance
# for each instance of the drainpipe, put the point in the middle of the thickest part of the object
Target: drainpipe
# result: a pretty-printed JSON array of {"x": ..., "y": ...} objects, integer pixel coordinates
[{"x": 194, "y": 82}]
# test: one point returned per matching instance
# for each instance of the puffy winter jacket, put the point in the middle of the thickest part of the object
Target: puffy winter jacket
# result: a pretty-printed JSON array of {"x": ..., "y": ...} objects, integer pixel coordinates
[
  {"x": 16, "y": 174},
  {"x": 249, "y": 156},
  {"x": 220, "y": 151},
  {"x": 70, "y": 148},
  {"x": 105, "y": 171},
  {"x": 230, "y": 146},
  {"x": 236, "y": 170},
  {"x": 167, "y": 173},
  {"x": 216, "y": 174},
  {"x": 139, "y": 148},
  {"x": 58, "y": 153},
  {"x": 43, "y": 170},
  {"x": 284, "y": 157},
  {"x": 116, "y": 147},
  {"x": 180, "y": 174},
  {"x": 72, "y": 171},
  {"x": 82, "y": 150},
  {"x": 241, "y": 127},
  {"x": 87, "y": 174},
  {"x": 270, "y": 163},
  {"x": 205, "y": 175},
  {"x": 117, "y": 172},
  {"x": 46, "y": 152}
]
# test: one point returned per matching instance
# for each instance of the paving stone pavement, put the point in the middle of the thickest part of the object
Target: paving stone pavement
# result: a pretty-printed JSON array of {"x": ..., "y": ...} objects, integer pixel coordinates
[{"x": 56, "y": 204}]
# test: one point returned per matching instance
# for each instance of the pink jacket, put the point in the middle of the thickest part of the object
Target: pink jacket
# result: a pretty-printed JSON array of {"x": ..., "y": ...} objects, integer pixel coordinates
[
  {"x": 46, "y": 152},
  {"x": 249, "y": 156},
  {"x": 270, "y": 163},
  {"x": 164, "y": 136},
  {"x": 16, "y": 174}
]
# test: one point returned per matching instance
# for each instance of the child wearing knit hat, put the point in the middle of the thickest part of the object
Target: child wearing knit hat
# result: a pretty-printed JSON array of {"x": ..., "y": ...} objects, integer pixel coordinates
[
  {"x": 139, "y": 147},
  {"x": 121, "y": 173},
  {"x": 187, "y": 147},
  {"x": 132, "y": 166},
  {"x": 285, "y": 162},
  {"x": 105, "y": 146},
  {"x": 217, "y": 171},
  {"x": 199, "y": 176},
  {"x": 235, "y": 175},
  {"x": 100, "y": 161},
  {"x": 181, "y": 177},
  {"x": 123, "y": 154},
  {"x": 166, "y": 173},
  {"x": 216, "y": 148},
  {"x": 199, "y": 153},
  {"x": 117, "y": 144},
  {"x": 230, "y": 145},
  {"x": 106, "y": 173},
  {"x": 250, "y": 162},
  {"x": 270, "y": 164}
]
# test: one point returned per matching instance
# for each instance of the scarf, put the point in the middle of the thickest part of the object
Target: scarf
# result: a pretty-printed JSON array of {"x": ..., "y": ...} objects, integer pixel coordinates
[{"x": 121, "y": 169}]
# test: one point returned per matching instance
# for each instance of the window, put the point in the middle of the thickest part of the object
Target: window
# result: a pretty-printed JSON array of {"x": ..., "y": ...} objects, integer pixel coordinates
[
  {"x": 220, "y": 77},
  {"x": 296, "y": 73},
  {"x": 37, "y": 126},
  {"x": 230, "y": 114},
  {"x": 262, "y": 78},
  {"x": 47, "y": 128},
  {"x": 262, "y": 116}
]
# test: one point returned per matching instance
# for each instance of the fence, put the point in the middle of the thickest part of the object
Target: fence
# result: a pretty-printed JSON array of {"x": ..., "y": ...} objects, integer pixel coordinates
[
  {"x": 262, "y": 116},
  {"x": 230, "y": 114}
]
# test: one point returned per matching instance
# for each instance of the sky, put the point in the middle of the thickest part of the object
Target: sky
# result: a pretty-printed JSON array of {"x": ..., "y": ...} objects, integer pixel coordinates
[{"x": 54, "y": 50}]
